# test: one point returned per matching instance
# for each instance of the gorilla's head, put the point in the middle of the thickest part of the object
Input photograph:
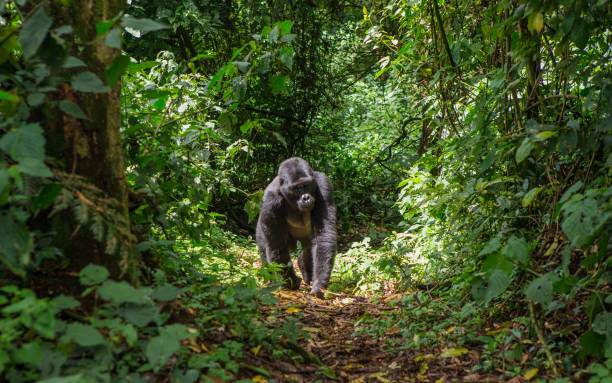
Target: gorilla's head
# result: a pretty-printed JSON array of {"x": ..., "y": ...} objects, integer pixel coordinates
[{"x": 297, "y": 184}]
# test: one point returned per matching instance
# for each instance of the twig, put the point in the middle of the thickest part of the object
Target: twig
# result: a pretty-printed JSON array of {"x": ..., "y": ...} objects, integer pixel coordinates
[
  {"x": 540, "y": 335},
  {"x": 443, "y": 34}
]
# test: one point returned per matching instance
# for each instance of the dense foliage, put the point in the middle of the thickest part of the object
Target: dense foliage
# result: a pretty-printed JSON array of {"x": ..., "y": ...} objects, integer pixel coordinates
[{"x": 469, "y": 144}]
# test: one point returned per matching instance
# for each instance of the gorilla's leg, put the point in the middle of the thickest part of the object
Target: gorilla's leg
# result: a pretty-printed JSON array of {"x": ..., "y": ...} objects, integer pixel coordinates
[
  {"x": 305, "y": 262},
  {"x": 323, "y": 254},
  {"x": 281, "y": 256}
]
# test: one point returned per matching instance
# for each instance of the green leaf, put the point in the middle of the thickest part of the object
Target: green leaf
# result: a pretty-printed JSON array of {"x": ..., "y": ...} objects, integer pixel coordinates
[
  {"x": 113, "y": 39},
  {"x": 30, "y": 353},
  {"x": 8, "y": 96},
  {"x": 34, "y": 167},
  {"x": 88, "y": 82},
  {"x": 286, "y": 57},
  {"x": 16, "y": 244},
  {"x": 540, "y": 289},
  {"x": 142, "y": 25},
  {"x": 286, "y": 27},
  {"x": 103, "y": 26},
  {"x": 517, "y": 249},
  {"x": 530, "y": 196},
  {"x": 544, "y": 135},
  {"x": 120, "y": 292},
  {"x": 488, "y": 161},
  {"x": 64, "y": 302},
  {"x": 497, "y": 262},
  {"x": 27, "y": 141},
  {"x": 72, "y": 109},
  {"x": 73, "y": 62},
  {"x": 277, "y": 83},
  {"x": 117, "y": 68},
  {"x": 47, "y": 195},
  {"x": 84, "y": 335},
  {"x": 491, "y": 246},
  {"x": 603, "y": 325},
  {"x": 160, "y": 349},
  {"x": 4, "y": 180},
  {"x": 34, "y": 30},
  {"x": 592, "y": 344},
  {"x": 36, "y": 99},
  {"x": 165, "y": 293},
  {"x": 93, "y": 274},
  {"x": 488, "y": 288},
  {"x": 569, "y": 192},
  {"x": 523, "y": 151},
  {"x": 137, "y": 67},
  {"x": 141, "y": 315},
  {"x": 78, "y": 378},
  {"x": 578, "y": 223}
]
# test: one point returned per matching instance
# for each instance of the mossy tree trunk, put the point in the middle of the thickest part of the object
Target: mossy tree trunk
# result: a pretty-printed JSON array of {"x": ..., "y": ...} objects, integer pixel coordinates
[{"x": 91, "y": 150}]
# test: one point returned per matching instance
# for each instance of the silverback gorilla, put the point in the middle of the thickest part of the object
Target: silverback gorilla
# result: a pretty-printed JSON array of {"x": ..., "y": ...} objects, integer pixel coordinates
[{"x": 298, "y": 206}]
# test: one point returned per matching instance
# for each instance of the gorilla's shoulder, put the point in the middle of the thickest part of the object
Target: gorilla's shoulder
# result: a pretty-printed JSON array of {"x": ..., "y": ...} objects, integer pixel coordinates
[{"x": 272, "y": 191}]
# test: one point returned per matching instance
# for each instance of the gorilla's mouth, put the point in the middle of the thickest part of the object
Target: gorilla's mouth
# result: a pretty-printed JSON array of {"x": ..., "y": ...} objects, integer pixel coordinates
[{"x": 306, "y": 206}]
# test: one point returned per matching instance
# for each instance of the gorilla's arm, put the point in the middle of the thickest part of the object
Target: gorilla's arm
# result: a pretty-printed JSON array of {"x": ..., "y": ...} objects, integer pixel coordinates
[
  {"x": 272, "y": 235},
  {"x": 324, "y": 239}
]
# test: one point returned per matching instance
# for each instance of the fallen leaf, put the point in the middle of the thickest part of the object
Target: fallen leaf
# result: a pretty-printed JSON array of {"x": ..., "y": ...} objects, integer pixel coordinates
[
  {"x": 454, "y": 352},
  {"x": 496, "y": 331},
  {"x": 255, "y": 350},
  {"x": 423, "y": 368},
  {"x": 292, "y": 310},
  {"x": 358, "y": 380},
  {"x": 530, "y": 373}
]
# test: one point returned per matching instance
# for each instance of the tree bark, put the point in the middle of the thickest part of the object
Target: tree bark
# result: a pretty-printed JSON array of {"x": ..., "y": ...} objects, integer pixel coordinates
[{"x": 91, "y": 149}]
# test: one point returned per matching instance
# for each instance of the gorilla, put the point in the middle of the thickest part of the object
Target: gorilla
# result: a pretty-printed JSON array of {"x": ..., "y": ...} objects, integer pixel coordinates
[{"x": 298, "y": 206}]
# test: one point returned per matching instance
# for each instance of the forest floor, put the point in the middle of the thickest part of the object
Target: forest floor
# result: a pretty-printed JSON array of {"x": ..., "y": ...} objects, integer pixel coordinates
[
  {"x": 352, "y": 357},
  {"x": 338, "y": 352}
]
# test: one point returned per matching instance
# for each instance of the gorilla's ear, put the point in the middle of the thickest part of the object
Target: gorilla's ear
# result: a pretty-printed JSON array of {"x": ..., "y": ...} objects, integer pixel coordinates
[{"x": 282, "y": 181}]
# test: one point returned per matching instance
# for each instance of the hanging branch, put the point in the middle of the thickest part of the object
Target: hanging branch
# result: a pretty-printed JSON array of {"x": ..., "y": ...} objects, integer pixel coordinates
[{"x": 443, "y": 34}]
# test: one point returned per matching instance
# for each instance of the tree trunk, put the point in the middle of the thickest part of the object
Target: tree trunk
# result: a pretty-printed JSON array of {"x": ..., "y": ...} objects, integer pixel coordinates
[{"x": 90, "y": 150}]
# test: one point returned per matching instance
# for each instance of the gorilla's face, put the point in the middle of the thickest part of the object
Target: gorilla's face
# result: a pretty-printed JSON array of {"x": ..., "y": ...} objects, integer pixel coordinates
[{"x": 297, "y": 184}]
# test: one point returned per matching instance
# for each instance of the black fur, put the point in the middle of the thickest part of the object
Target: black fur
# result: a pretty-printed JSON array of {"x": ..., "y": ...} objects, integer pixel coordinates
[{"x": 295, "y": 194}]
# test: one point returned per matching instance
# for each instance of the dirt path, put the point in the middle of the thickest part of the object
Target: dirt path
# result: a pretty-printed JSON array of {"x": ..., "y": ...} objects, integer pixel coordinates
[{"x": 352, "y": 357}]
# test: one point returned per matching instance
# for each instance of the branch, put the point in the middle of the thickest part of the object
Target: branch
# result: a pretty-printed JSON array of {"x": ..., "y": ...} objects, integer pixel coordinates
[{"x": 443, "y": 34}]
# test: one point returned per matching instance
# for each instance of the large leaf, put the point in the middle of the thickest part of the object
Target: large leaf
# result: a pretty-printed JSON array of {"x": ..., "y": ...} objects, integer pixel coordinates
[
  {"x": 93, "y": 274},
  {"x": 540, "y": 289},
  {"x": 165, "y": 293},
  {"x": 491, "y": 246},
  {"x": 117, "y": 68},
  {"x": 72, "y": 109},
  {"x": 517, "y": 249},
  {"x": 523, "y": 151},
  {"x": 34, "y": 167},
  {"x": 34, "y": 30},
  {"x": 580, "y": 214},
  {"x": 603, "y": 325},
  {"x": 142, "y": 25},
  {"x": 27, "y": 141},
  {"x": 141, "y": 315},
  {"x": 16, "y": 244},
  {"x": 160, "y": 349},
  {"x": 486, "y": 289},
  {"x": 84, "y": 335},
  {"x": 497, "y": 262},
  {"x": 120, "y": 292},
  {"x": 88, "y": 82}
]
